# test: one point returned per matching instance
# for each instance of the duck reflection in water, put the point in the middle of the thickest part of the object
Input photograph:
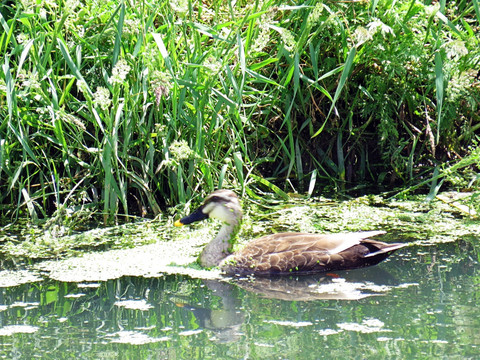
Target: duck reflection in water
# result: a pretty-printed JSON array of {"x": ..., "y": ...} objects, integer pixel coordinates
[{"x": 226, "y": 320}]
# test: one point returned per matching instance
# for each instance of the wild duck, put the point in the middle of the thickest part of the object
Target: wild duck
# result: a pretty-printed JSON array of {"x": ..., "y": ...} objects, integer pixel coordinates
[{"x": 282, "y": 253}]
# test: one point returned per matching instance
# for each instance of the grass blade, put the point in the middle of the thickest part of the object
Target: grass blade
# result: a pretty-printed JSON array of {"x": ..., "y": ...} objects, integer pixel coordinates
[
  {"x": 163, "y": 51},
  {"x": 282, "y": 194},
  {"x": 435, "y": 186},
  {"x": 238, "y": 161},
  {"x": 118, "y": 36},
  {"x": 439, "y": 86},
  {"x": 477, "y": 9},
  {"x": 313, "y": 180},
  {"x": 71, "y": 64},
  {"x": 221, "y": 177},
  {"x": 343, "y": 79}
]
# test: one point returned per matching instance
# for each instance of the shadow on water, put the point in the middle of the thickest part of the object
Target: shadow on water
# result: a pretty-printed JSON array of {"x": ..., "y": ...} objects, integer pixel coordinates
[{"x": 421, "y": 302}]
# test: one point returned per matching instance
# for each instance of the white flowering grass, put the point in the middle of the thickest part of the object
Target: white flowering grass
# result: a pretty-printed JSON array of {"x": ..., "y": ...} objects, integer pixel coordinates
[
  {"x": 119, "y": 72},
  {"x": 102, "y": 98},
  {"x": 180, "y": 150}
]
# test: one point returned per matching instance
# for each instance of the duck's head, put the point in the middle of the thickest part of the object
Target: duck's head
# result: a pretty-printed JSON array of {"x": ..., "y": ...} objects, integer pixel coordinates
[{"x": 220, "y": 204}]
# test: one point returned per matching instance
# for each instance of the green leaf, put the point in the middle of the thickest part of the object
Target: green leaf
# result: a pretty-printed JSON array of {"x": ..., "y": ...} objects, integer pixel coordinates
[
  {"x": 343, "y": 79},
  {"x": 71, "y": 64},
  {"x": 118, "y": 37},
  {"x": 270, "y": 186},
  {"x": 439, "y": 86}
]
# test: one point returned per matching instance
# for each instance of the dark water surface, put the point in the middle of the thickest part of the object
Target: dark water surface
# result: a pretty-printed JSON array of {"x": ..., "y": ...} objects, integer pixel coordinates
[{"x": 421, "y": 303}]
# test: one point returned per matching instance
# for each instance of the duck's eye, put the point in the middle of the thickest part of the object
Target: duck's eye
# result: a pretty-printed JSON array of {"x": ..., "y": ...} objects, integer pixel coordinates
[{"x": 216, "y": 199}]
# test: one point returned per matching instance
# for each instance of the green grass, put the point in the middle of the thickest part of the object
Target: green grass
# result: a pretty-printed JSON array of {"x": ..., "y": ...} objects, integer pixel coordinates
[{"x": 127, "y": 110}]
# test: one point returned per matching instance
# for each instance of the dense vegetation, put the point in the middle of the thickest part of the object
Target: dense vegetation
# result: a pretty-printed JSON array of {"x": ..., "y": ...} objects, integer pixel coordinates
[{"x": 133, "y": 107}]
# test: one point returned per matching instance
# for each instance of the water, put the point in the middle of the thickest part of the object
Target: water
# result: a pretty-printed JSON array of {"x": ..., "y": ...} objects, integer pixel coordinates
[{"x": 421, "y": 303}]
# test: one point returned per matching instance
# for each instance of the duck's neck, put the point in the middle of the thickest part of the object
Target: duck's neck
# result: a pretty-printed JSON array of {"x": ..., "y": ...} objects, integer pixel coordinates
[{"x": 220, "y": 247}]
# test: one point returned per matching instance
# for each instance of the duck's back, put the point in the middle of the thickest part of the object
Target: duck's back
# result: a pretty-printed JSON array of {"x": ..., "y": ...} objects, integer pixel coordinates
[{"x": 286, "y": 253}]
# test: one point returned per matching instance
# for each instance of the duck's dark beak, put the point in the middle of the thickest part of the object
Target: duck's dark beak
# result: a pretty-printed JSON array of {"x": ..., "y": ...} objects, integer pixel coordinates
[{"x": 197, "y": 215}]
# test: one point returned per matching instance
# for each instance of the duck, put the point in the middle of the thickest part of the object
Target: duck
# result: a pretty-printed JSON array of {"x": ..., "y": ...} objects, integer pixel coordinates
[{"x": 283, "y": 253}]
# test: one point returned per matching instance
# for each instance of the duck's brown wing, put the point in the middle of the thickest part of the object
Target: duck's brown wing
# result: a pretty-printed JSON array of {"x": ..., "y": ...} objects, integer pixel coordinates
[{"x": 287, "y": 253}]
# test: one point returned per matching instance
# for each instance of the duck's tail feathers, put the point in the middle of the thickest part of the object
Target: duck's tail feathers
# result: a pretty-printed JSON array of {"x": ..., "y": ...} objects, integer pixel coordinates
[{"x": 386, "y": 250}]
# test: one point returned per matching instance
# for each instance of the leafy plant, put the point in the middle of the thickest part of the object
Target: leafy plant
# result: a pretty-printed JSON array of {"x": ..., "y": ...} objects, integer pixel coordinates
[{"x": 126, "y": 110}]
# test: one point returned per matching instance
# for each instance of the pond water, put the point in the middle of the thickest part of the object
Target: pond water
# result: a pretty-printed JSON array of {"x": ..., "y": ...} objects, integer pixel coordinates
[{"x": 420, "y": 303}]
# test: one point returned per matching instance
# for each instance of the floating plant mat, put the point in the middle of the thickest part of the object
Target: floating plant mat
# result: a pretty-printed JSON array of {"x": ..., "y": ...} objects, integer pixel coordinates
[
  {"x": 170, "y": 257},
  {"x": 18, "y": 277},
  {"x": 165, "y": 256},
  {"x": 153, "y": 248}
]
